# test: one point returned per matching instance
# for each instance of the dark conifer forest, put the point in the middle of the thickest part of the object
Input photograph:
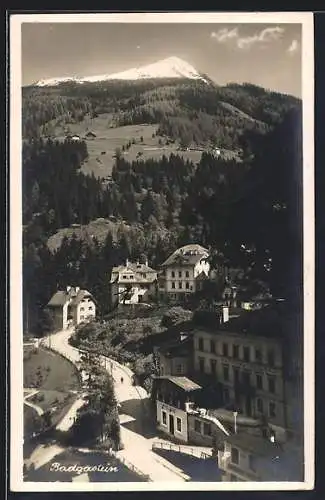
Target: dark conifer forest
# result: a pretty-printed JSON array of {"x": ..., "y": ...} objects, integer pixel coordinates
[{"x": 248, "y": 211}]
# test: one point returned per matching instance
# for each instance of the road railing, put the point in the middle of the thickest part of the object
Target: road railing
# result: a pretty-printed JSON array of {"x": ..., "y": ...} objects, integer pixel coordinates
[{"x": 189, "y": 450}]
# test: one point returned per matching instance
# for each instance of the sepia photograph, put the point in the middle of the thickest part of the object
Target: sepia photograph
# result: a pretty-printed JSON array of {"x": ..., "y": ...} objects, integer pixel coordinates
[{"x": 162, "y": 232}]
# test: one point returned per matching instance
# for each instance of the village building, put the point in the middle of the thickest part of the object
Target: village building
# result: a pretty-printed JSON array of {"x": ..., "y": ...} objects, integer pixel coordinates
[
  {"x": 244, "y": 457},
  {"x": 184, "y": 272},
  {"x": 178, "y": 413},
  {"x": 175, "y": 357},
  {"x": 71, "y": 307},
  {"x": 136, "y": 283},
  {"x": 248, "y": 368}
]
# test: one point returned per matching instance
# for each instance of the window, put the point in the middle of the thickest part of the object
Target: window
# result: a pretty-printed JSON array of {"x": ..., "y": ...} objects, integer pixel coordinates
[
  {"x": 201, "y": 365},
  {"x": 178, "y": 368},
  {"x": 82, "y": 308},
  {"x": 164, "y": 418},
  {"x": 251, "y": 462},
  {"x": 197, "y": 426},
  {"x": 201, "y": 345},
  {"x": 131, "y": 277},
  {"x": 213, "y": 366},
  {"x": 179, "y": 424},
  {"x": 82, "y": 317},
  {"x": 225, "y": 350},
  {"x": 259, "y": 405},
  {"x": 212, "y": 346},
  {"x": 246, "y": 354},
  {"x": 270, "y": 358},
  {"x": 187, "y": 285},
  {"x": 187, "y": 274},
  {"x": 124, "y": 277},
  {"x": 259, "y": 381},
  {"x": 173, "y": 274},
  {"x": 206, "y": 429},
  {"x": 236, "y": 375},
  {"x": 246, "y": 378},
  {"x": 234, "y": 456},
  {"x": 179, "y": 274},
  {"x": 90, "y": 308},
  {"x": 272, "y": 409},
  {"x": 271, "y": 382},
  {"x": 173, "y": 284},
  {"x": 226, "y": 372},
  {"x": 235, "y": 351},
  {"x": 258, "y": 355},
  {"x": 180, "y": 284}
]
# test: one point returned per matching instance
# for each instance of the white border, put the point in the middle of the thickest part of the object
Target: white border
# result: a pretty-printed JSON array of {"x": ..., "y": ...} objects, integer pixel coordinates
[{"x": 15, "y": 279}]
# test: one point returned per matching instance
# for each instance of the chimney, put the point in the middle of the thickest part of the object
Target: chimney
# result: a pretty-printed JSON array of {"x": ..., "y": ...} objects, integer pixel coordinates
[
  {"x": 146, "y": 261},
  {"x": 127, "y": 262},
  {"x": 77, "y": 289},
  {"x": 68, "y": 289},
  {"x": 225, "y": 314}
]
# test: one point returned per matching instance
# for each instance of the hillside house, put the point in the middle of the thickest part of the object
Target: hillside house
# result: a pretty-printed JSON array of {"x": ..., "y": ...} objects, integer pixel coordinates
[
  {"x": 71, "y": 307},
  {"x": 183, "y": 273},
  {"x": 136, "y": 283}
]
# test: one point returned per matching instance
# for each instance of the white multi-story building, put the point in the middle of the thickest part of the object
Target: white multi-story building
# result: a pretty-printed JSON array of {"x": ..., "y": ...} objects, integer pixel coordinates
[
  {"x": 71, "y": 307},
  {"x": 184, "y": 272},
  {"x": 136, "y": 283}
]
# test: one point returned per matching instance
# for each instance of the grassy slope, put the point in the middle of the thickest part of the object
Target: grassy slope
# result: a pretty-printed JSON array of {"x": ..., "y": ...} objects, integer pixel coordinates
[
  {"x": 59, "y": 378},
  {"x": 108, "y": 139}
]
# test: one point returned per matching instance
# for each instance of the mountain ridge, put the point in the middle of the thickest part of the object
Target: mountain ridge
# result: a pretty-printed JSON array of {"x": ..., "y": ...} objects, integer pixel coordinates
[{"x": 170, "y": 67}]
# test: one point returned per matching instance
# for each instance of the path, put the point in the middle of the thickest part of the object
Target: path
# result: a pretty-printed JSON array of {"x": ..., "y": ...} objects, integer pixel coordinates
[
  {"x": 137, "y": 432},
  {"x": 32, "y": 392}
]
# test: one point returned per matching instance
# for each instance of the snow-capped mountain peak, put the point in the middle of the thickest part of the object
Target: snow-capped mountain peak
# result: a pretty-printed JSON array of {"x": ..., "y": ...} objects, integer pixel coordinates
[{"x": 171, "y": 67}]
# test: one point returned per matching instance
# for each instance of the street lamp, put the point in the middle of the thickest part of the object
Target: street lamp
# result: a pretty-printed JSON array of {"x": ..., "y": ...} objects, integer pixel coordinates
[{"x": 235, "y": 417}]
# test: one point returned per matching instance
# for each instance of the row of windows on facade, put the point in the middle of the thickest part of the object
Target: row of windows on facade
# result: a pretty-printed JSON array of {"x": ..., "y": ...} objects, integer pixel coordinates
[
  {"x": 180, "y": 274},
  {"x": 235, "y": 352},
  {"x": 180, "y": 285},
  {"x": 240, "y": 376},
  {"x": 84, "y": 317},
  {"x": 90, "y": 308},
  {"x": 259, "y": 404},
  {"x": 178, "y": 421},
  {"x": 131, "y": 276}
]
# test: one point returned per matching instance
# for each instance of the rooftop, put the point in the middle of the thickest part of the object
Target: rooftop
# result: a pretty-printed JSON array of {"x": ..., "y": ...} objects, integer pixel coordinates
[
  {"x": 187, "y": 255},
  {"x": 136, "y": 268},
  {"x": 179, "y": 348},
  {"x": 254, "y": 444},
  {"x": 72, "y": 295},
  {"x": 183, "y": 382}
]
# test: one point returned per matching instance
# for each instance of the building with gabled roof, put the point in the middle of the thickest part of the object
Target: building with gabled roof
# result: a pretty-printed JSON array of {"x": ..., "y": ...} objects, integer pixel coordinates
[
  {"x": 136, "y": 282},
  {"x": 184, "y": 272},
  {"x": 71, "y": 307}
]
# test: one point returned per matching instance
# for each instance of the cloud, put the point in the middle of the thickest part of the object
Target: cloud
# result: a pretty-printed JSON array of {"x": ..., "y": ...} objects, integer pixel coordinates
[
  {"x": 262, "y": 38},
  {"x": 223, "y": 35},
  {"x": 293, "y": 47},
  {"x": 266, "y": 36}
]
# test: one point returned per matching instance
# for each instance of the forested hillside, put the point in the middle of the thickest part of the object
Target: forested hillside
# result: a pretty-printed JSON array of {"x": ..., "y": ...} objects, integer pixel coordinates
[
  {"x": 191, "y": 112},
  {"x": 248, "y": 211}
]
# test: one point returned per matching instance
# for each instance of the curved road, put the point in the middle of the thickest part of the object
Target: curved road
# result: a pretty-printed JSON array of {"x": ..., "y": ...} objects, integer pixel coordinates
[{"x": 137, "y": 431}]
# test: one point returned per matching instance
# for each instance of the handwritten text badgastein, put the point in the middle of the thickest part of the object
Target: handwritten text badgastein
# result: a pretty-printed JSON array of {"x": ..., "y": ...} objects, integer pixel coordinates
[{"x": 79, "y": 469}]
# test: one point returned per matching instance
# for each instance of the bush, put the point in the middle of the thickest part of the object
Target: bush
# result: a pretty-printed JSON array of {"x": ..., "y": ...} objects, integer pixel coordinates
[{"x": 175, "y": 316}]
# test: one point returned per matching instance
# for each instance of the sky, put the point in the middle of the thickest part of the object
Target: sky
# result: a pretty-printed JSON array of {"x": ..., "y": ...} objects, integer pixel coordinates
[{"x": 263, "y": 54}]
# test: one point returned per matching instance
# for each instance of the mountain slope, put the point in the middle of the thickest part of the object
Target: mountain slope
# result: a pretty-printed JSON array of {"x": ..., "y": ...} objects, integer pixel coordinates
[{"x": 171, "y": 67}]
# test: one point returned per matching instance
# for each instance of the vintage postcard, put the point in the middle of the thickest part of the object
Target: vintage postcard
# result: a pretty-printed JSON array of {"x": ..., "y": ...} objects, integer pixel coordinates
[{"x": 161, "y": 251}]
